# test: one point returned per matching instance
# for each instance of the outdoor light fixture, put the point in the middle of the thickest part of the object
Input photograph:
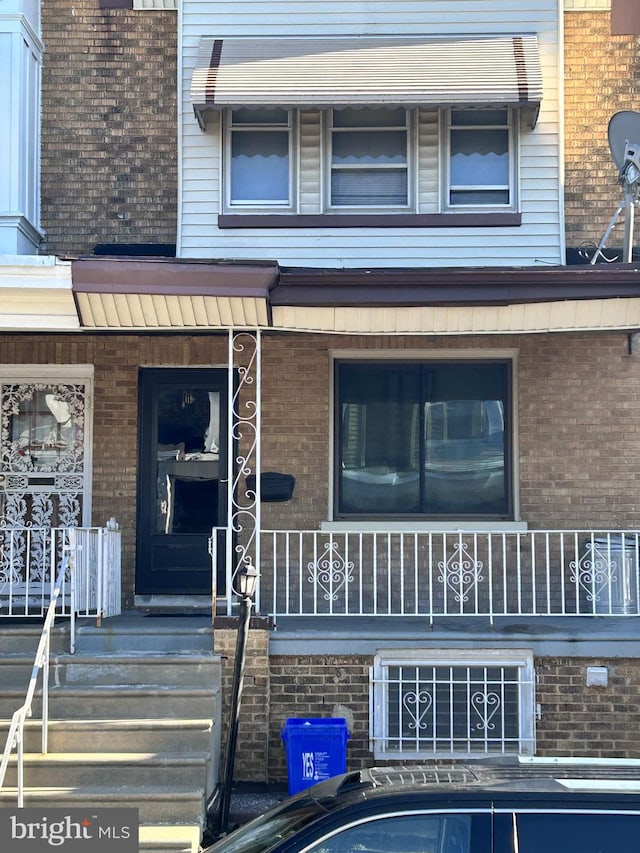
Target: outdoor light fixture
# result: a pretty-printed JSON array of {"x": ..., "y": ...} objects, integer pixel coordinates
[
  {"x": 247, "y": 580},
  {"x": 245, "y": 586}
]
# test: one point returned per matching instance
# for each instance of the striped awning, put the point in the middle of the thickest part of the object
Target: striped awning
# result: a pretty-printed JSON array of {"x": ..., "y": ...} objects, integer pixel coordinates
[{"x": 368, "y": 71}]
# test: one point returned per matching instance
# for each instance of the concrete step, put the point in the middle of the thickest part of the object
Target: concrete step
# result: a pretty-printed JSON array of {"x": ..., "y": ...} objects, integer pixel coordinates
[
  {"x": 121, "y": 735},
  {"x": 19, "y": 638},
  {"x": 156, "y": 805},
  {"x": 141, "y": 668},
  {"x": 169, "y": 839},
  {"x": 122, "y": 770},
  {"x": 15, "y": 669},
  {"x": 117, "y": 701},
  {"x": 134, "y": 633}
]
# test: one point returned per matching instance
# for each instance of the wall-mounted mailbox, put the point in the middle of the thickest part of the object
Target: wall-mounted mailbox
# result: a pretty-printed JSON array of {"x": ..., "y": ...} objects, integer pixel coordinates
[{"x": 274, "y": 487}]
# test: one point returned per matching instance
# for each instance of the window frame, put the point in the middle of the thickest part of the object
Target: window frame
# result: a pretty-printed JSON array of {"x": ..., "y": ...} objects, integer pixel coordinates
[
  {"x": 441, "y": 213},
  {"x": 409, "y": 167},
  {"x": 505, "y": 659},
  {"x": 375, "y": 360},
  {"x": 511, "y": 126},
  {"x": 229, "y": 128}
]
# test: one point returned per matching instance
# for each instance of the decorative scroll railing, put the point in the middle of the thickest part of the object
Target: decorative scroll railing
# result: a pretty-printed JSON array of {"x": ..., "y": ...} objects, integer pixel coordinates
[
  {"x": 433, "y": 574},
  {"x": 30, "y": 560}
]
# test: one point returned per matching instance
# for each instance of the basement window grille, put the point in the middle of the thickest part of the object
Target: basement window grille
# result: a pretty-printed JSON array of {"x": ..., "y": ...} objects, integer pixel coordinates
[{"x": 442, "y": 705}]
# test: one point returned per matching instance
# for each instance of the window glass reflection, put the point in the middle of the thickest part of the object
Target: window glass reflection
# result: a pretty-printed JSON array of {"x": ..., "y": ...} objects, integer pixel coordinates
[{"x": 188, "y": 430}]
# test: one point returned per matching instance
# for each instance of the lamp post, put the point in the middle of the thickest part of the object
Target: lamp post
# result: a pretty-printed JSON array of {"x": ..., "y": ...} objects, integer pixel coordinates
[{"x": 247, "y": 579}]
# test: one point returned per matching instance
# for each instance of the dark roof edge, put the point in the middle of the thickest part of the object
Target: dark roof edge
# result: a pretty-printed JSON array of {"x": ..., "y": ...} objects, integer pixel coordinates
[
  {"x": 454, "y": 285},
  {"x": 170, "y": 276},
  {"x": 375, "y": 286}
]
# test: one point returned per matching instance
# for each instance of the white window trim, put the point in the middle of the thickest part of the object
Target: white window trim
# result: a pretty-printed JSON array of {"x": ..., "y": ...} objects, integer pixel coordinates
[
  {"x": 424, "y": 355},
  {"x": 385, "y": 658},
  {"x": 410, "y": 168},
  {"x": 445, "y": 170},
  {"x": 258, "y": 205}
]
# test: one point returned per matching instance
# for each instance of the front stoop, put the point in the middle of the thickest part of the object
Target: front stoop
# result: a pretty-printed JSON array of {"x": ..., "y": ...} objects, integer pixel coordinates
[
  {"x": 134, "y": 721},
  {"x": 169, "y": 839}
]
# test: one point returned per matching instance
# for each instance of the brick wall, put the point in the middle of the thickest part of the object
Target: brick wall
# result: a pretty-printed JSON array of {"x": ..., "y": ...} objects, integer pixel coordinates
[
  {"x": 319, "y": 686},
  {"x": 252, "y": 758},
  {"x": 109, "y": 158},
  {"x": 602, "y": 76},
  {"x": 578, "y": 410},
  {"x": 600, "y": 722}
]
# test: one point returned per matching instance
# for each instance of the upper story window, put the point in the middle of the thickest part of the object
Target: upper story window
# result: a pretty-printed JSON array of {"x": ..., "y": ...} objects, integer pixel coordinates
[
  {"x": 369, "y": 158},
  {"x": 370, "y": 161},
  {"x": 423, "y": 439},
  {"x": 480, "y": 162},
  {"x": 259, "y": 158}
]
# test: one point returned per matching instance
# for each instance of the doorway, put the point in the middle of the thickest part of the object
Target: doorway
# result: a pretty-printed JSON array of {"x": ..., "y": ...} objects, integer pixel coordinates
[{"x": 182, "y": 482}]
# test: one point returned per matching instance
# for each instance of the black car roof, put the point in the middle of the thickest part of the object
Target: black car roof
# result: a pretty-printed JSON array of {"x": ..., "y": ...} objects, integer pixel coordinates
[{"x": 554, "y": 778}]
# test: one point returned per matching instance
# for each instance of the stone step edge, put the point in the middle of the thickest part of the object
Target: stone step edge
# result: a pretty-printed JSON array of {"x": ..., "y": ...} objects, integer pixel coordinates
[
  {"x": 133, "y": 657},
  {"x": 98, "y": 758},
  {"x": 105, "y": 689},
  {"x": 158, "y": 836},
  {"x": 103, "y": 794},
  {"x": 120, "y": 724}
]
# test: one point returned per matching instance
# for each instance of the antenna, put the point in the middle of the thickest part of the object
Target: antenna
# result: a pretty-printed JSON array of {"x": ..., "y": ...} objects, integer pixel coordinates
[{"x": 624, "y": 144}]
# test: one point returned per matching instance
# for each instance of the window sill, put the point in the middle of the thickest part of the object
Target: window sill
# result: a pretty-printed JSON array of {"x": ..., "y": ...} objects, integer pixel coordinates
[
  {"x": 425, "y": 526},
  {"x": 369, "y": 220}
]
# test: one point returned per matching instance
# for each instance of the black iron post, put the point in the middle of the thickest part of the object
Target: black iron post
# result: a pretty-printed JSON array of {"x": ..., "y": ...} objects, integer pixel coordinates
[{"x": 247, "y": 579}]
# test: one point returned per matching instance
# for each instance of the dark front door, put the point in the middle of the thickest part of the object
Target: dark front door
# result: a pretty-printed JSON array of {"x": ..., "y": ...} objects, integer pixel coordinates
[{"x": 181, "y": 477}]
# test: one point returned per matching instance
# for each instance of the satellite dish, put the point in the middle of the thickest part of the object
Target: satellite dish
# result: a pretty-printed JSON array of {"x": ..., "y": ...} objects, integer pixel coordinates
[
  {"x": 624, "y": 128},
  {"x": 624, "y": 143}
]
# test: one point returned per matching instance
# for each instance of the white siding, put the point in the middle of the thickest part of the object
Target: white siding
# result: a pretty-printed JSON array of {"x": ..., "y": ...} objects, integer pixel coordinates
[
  {"x": 428, "y": 138},
  {"x": 310, "y": 165},
  {"x": 537, "y": 240}
]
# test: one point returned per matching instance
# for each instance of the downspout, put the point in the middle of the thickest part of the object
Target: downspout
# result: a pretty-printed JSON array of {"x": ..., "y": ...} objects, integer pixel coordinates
[{"x": 561, "y": 130}]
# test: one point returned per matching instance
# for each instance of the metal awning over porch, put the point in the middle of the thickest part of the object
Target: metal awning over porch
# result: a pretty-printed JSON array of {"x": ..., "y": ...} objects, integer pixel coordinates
[
  {"x": 365, "y": 71},
  {"x": 178, "y": 294},
  {"x": 136, "y": 294}
]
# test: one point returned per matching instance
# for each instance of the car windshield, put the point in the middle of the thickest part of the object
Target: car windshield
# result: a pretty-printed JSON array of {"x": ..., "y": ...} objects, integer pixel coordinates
[{"x": 271, "y": 828}]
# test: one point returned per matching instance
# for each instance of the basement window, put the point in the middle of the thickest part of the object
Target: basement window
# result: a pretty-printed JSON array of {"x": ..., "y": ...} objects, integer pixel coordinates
[{"x": 444, "y": 705}]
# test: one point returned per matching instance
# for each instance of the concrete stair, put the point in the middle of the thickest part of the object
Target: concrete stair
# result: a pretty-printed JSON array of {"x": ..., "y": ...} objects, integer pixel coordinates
[{"x": 134, "y": 720}]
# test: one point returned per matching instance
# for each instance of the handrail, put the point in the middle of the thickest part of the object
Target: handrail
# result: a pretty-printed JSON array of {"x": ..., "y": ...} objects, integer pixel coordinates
[{"x": 15, "y": 736}]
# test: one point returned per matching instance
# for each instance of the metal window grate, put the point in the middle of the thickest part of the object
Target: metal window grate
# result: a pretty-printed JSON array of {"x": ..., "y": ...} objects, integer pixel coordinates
[{"x": 452, "y": 708}]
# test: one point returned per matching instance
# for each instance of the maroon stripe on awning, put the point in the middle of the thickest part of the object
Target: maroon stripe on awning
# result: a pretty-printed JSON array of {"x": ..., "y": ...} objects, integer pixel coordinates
[
  {"x": 214, "y": 65},
  {"x": 521, "y": 69}
]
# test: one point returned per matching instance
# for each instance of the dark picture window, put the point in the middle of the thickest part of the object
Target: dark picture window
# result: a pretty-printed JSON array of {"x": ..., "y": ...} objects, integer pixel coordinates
[{"x": 423, "y": 438}]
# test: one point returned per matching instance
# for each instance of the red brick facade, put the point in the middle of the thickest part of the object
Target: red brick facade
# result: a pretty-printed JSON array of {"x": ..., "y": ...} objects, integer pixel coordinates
[
  {"x": 602, "y": 76},
  {"x": 109, "y": 131}
]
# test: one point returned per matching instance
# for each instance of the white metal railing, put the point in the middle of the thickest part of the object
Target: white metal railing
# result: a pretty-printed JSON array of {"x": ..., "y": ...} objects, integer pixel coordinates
[
  {"x": 87, "y": 583},
  {"x": 445, "y": 573},
  {"x": 15, "y": 736},
  {"x": 30, "y": 558}
]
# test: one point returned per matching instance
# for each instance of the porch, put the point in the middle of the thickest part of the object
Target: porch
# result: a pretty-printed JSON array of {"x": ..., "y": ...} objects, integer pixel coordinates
[{"x": 423, "y": 577}]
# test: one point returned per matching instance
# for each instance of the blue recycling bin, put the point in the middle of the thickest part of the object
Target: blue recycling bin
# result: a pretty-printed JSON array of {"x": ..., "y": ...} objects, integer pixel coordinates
[{"x": 316, "y": 749}]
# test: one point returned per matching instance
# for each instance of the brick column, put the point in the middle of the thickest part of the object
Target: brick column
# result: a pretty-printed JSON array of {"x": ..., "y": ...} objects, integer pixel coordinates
[{"x": 251, "y": 760}]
